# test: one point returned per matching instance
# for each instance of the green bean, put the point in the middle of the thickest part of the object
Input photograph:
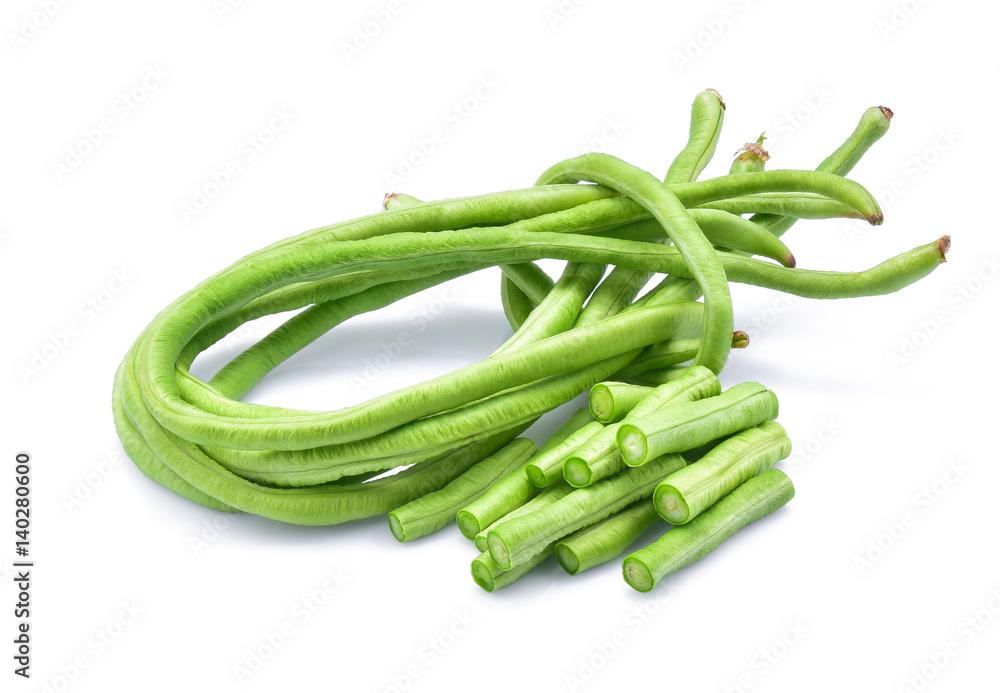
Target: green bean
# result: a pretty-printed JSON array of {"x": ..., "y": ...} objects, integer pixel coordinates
[
  {"x": 560, "y": 308},
  {"x": 695, "y": 249},
  {"x": 623, "y": 283},
  {"x": 671, "y": 353},
  {"x": 516, "y": 541},
  {"x": 491, "y": 577},
  {"x": 688, "y": 543},
  {"x": 655, "y": 377},
  {"x": 874, "y": 123},
  {"x": 543, "y": 499},
  {"x": 523, "y": 287},
  {"x": 607, "y": 539},
  {"x": 514, "y": 489},
  {"x": 686, "y": 425},
  {"x": 683, "y": 495},
  {"x": 611, "y": 401},
  {"x": 545, "y": 469},
  {"x": 430, "y": 513},
  {"x": 793, "y": 205},
  {"x": 721, "y": 229},
  {"x": 599, "y": 457},
  {"x": 707, "y": 114},
  {"x": 737, "y": 233},
  {"x": 516, "y": 305}
]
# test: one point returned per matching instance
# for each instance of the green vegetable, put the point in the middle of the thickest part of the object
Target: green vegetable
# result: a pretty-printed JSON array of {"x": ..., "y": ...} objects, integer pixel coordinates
[
  {"x": 686, "y": 493},
  {"x": 611, "y": 401},
  {"x": 515, "y": 541},
  {"x": 430, "y": 513},
  {"x": 547, "y": 468},
  {"x": 607, "y": 539},
  {"x": 600, "y": 457},
  {"x": 687, "y": 425},
  {"x": 546, "y": 497},
  {"x": 492, "y": 577},
  {"x": 688, "y": 543}
]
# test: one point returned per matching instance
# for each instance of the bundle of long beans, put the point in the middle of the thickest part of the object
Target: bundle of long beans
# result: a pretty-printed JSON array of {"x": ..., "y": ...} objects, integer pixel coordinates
[{"x": 453, "y": 435}]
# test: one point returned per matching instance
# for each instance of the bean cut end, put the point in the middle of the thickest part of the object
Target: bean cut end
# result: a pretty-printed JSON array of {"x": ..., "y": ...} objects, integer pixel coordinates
[
  {"x": 468, "y": 525},
  {"x": 396, "y": 527},
  {"x": 568, "y": 559},
  {"x": 482, "y": 575},
  {"x": 536, "y": 476},
  {"x": 602, "y": 404},
  {"x": 637, "y": 575},
  {"x": 577, "y": 472},
  {"x": 632, "y": 444},
  {"x": 670, "y": 504},
  {"x": 498, "y": 550}
]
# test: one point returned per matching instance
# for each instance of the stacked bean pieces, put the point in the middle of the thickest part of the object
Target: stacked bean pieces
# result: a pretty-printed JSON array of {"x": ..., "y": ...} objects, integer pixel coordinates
[{"x": 453, "y": 442}]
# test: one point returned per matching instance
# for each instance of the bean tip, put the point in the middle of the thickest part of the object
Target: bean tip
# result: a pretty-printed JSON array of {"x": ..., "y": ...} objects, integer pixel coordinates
[
  {"x": 389, "y": 197},
  {"x": 741, "y": 340},
  {"x": 876, "y": 219},
  {"x": 789, "y": 260},
  {"x": 755, "y": 149},
  {"x": 888, "y": 111},
  {"x": 718, "y": 96},
  {"x": 944, "y": 245}
]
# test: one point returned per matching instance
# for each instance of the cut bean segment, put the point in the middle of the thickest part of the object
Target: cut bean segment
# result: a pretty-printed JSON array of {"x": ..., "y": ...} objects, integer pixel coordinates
[
  {"x": 430, "y": 513},
  {"x": 686, "y": 493},
  {"x": 688, "y": 543},
  {"x": 686, "y": 425},
  {"x": 515, "y": 541},
  {"x": 606, "y": 540},
  {"x": 599, "y": 457}
]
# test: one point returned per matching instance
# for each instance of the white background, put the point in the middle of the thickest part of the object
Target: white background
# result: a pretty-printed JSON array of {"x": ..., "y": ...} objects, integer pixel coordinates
[{"x": 871, "y": 434}]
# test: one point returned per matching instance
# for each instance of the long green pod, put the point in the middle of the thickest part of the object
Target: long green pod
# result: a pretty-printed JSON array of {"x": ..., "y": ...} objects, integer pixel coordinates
[
  {"x": 793, "y": 205},
  {"x": 688, "y": 543},
  {"x": 546, "y": 468},
  {"x": 558, "y": 311},
  {"x": 522, "y": 288},
  {"x": 686, "y": 425},
  {"x": 735, "y": 232},
  {"x": 516, "y": 541},
  {"x": 607, "y": 539},
  {"x": 697, "y": 252},
  {"x": 887, "y": 277},
  {"x": 873, "y": 125},
  {"x": 547, "y": 497},
  {"x": 437, "y": 509},
  {"x": 599, "y": 457},
  {"x": 721, "y": 229},
  {"x": 707, "y": 114},
  {"x": 686, "y": 493}
]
